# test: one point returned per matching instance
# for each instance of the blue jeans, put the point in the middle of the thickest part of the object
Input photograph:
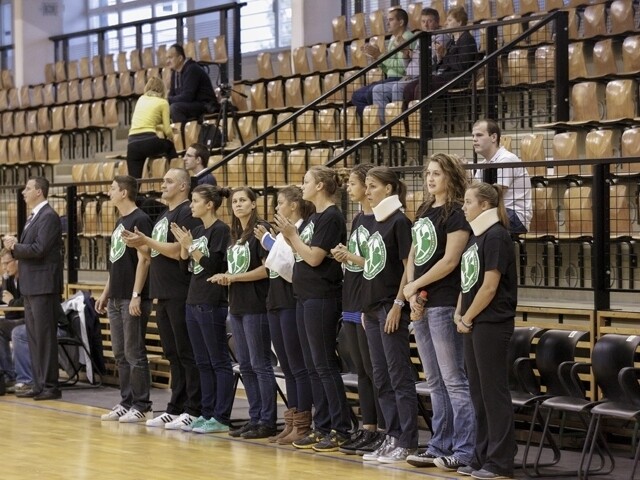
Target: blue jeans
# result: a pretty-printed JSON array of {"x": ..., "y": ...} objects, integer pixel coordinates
[
  {"x": 364, "y": 95},
  {"x": 388, "y": 92},
  {"x": 317, "y": 321},
  {"x": 392, "y": 374},
  {"x": 442, "y": 354},
  {"x": 515, "y": 225},
  {"x": 128, "y": 344},
  {"x": 21, "y": 354},
  {"x": 253, "y": 351},
  {"x": 208, "y": 333},
  {"x": 286, "y": 343}
]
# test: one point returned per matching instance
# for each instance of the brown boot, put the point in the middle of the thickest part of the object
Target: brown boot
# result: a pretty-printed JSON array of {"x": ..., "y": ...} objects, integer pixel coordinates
[
  {"x": 288, "y": 425},
  {"x": 301, "y": 427}
]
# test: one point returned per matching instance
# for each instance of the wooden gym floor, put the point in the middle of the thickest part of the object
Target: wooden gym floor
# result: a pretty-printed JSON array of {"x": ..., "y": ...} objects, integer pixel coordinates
[{"x": 65, "y": 439}]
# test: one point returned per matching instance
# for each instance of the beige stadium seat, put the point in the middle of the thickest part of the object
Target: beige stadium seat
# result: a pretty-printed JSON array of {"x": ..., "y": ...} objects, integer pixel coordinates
[
  {"x": 529, "y": 7},
  {"x": 337, "y": 56},
  {"x": 569, "y": 146},
  {"x": 621, "y": 16},
  {"x": 504, "y": 8},
  {"x": 275, "y": 169},
  {"x": 319, "y": 58},
  {"x": 275, "y": 94},
  {"x": 284, "y": 64},
  {"x": 577, "y": 61},
  {"x": 629, "y": 148},
  {"x": 285, "y": 134},
  {"x": 296, "y": 166},
  {"x": 376, "y": 23},
  {"x": 306, "y": 127},
  {"x": 311, "y": 88},
  {"x": 602, "y": 143},
  {"x": 621, "y": 98},
  {"x": 544, "y": 220},
  {"x": 631, "y": 54},
  {"x": 293, "y": 92},
  {"x": 327, "y": 126},
  {"x": 414, "y": 11},
  {"x": 300, "y": 61},
  {"x": 481, "y": 10},
  {"x": 264, "y": 123},
  {"x": 339, "y": 28},
  {"x": 357, "y": 26},
  {"x": 594, "y": 22},
  {"x": 578, "y": 218},
  {"x": 265, "y": 68},
  {"x": 604, "y": 58},
  {"x": 358, "y": 57},
  {"x": 545, "y": 63},
  {"x": 330, "y": 81},
  {"x": 258, "y": 96},
  {"x": 519, "y": 67},
  {"x": 532, "y": 150}
]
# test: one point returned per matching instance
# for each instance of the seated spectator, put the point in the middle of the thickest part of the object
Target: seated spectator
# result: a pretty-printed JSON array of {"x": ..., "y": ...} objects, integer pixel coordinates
[
  {"x": 458, "y": 53},
  {"x": 196, "y": 159},
  {"x": 10, "y": 297},
  {"x": 151, "y": 112},
  {"x": 191, "y": 93},
  {"x": 384, "y": 93},
  {"x": 394, "y": 67},
  {"x": 515, "y": 182}
]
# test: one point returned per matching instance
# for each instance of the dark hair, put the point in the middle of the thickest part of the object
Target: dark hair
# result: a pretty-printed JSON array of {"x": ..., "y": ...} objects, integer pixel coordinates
[
  {"x": 237, "y": 232},
  {"x": 179, "y": 50},
  {"x": 328, "y": 177},
  {"x": 386, "y": 176},
  {"x": 361, "y": 171},
  {"x": 492, "y": 194},
  {"x": 431, "y": 12},
  {"x": 128, "y": 183},
  {"x": 202, "y": 152},
  {"x": 212, "y": 194},
  {"x": 460, "y": 14},
  {"x": 492, "y": 127},
  {"x": 455, "y": 183},
  {"x": 401, "y": 14},
  {"x": 42, "y": 184},
  {"x": 293, "y": 194}
]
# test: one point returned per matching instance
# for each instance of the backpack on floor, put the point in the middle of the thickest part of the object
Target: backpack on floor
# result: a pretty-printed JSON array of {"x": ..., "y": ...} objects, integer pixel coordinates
[{"x": 210, "y": 136}]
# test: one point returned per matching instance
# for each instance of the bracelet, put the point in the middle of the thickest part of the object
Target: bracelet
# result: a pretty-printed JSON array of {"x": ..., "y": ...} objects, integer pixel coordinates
[
  {"x": 466, "y": 325},
  {"x": 398, "y": 302}
]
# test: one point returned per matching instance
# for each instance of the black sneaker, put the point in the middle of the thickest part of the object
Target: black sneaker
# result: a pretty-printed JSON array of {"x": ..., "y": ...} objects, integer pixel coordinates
[
  {"x": 373, "y": 445},
  {"x": 314, "y": 437},
  {"x": 330, "y": 443},
  {"x": 422, "y": 460},
  {"x": 245, "y": 428},
  {"x": 259, "y": 431},
  {"x": 448, "y": 463},
  {"x": 360, "y": 439}
]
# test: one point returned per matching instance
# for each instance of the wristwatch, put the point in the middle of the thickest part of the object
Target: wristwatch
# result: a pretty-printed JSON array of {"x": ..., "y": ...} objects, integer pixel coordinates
[{"x": 135, "y": 295}]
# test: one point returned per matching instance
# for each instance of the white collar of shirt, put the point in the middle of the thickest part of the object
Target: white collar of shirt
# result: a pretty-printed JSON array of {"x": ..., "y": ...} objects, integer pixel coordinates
[
  {"x": 200, "y": 172},
  {"x": 38, "y": 207},
  {"x": 498, "y": 153}
]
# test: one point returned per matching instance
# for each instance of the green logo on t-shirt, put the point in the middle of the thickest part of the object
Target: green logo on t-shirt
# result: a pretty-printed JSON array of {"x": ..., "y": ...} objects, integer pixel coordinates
[
  {"x": 118, "y": 246},
  {"x": 273, "y": 274},
  {"x": 305, "y": 235},
  {"x": 376, "y": 258},
  {"x": 238, "y": 258},
  {"x": 425, "y": 240},
  {"x": 201, "y": 244},
  {"x": 469, "y": 268},
  {"x": 159, "y": 234},
  {"x": 358, "y": 246}
]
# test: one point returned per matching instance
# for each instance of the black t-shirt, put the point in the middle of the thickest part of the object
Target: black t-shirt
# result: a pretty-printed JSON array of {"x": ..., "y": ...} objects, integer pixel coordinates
[
  {"x": 352, "y": 286},
  {"x": 247, "y": 297},
  {"x": 280, "y": 295},
  {"x": 429, "y": 234},
  {"x": 212, "y": 242},
  {"x": 166, "y": 279},
  {"x": 387, "y": 247},
  {"x": 493, "y": 250},
  {"x": 324, "y": 230},
  {"x": 123, "y": 260}
]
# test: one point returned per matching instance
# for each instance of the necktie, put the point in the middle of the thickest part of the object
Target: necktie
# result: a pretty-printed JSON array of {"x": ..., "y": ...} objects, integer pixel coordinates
[{"x": 28, "y": 221}]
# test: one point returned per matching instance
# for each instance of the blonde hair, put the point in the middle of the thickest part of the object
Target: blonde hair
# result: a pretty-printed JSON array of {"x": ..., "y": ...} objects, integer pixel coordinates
[
  {"x": 155, "y": 87},
  {"x": 492, "y": 194}
]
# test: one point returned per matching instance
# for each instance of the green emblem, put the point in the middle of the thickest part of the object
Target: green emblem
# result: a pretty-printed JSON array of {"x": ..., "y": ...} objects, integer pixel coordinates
[
  {"x": 273, "y": 274},
  {"x": 201, "y": 244},
  {"x": 238, "y": 258},
  {"x": 305, "y": 235},
  {"x": 425, "y": 241},
  {"x": 376, "y": 258},
  {"x": 159, "y": 234},
  {"x": 118, "y": 247},
  {"x": 358, "y": 246},
  {"x": 469, "y": 268}
]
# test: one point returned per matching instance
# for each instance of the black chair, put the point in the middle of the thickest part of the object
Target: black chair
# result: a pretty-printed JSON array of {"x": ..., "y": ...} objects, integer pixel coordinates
[
  {"x": 554, "y": 348},
  {"x": 617, "y": 378},
  {"x": 520, "y": 346}
]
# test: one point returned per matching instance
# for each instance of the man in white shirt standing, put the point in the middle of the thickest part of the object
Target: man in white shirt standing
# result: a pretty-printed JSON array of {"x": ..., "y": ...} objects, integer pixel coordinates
[{"x": 515, "y": 181}]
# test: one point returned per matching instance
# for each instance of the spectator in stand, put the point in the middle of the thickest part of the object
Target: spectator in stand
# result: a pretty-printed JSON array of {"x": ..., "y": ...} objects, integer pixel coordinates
[
  {"x": 281, "y": 311},
  {"x": 351, "y": 255},
  {"x": 485, "y": 314},
  {"x": 386, "y": 315},
  {"x": 394, "y": 68},
  {"x": 126, "y": 300},
  {"x": 202, "y": 252},
  {"x": 191, "y": 94},
  {"x": 515, "y": 181},
  {"x": 248, "y": 283},
  {"x": 151, "y": 113},
  {"x": 170, "y": 286},
  {"x": 453, "y": 56},
  {"x": 40, "y": 253},
  {"x": 11, "y": 298},
  {"x": 196, "y": 159},
  {"x": 384, "y": 93},
  {"x": 440, "y": 234},
  {"x": 317, "y": 284}
]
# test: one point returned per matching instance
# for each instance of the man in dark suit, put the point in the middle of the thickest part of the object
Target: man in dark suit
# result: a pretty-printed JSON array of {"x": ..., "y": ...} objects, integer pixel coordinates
[{"x": 40, "y": 267}]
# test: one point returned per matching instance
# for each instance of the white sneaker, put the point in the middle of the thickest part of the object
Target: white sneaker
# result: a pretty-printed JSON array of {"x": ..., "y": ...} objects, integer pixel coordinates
[
  {"x": 183, "y": 420},
  {"x": 134, "y": 416},
  {"x": 161, "y": 420},
  {"x": 115, "y": 414}
]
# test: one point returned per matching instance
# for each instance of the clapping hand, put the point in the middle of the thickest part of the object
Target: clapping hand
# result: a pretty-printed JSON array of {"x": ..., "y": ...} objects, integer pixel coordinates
[{"x": 182, "y": 235}]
